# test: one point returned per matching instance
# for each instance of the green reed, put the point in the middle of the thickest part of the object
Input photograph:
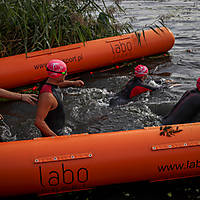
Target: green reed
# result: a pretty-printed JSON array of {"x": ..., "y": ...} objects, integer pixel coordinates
[{"x": 30, "y": 25}]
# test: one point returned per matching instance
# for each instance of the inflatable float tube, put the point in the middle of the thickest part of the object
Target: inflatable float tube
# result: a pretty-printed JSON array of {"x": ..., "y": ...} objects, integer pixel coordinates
[
  {"x": 20, "y": 70},
  {"x": 66, "y": 163}
]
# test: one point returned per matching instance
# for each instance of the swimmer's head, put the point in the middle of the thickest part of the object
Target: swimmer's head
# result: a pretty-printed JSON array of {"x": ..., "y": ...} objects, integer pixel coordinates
[
  {"x": 141, "y": 71},
  {"x": 56, "y": 68},
  {"x": 198, "y": 84}
]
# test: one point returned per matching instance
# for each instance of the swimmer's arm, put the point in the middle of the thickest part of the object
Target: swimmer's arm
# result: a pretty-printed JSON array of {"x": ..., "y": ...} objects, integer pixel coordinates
[
  {"x": 9, "y": 95},
  {"x": 148, "y": 87},
  {"x": 154, "y": 85},
  {"x": 29, "y": 98},
  {"x": 162, "y": 84},
  {"x": 44, "y": 106},
  {"x": 67, "y": 83}
]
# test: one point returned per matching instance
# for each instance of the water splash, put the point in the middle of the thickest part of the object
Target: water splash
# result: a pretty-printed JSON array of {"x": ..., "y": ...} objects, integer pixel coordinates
[{"x": 5, "y": 133}]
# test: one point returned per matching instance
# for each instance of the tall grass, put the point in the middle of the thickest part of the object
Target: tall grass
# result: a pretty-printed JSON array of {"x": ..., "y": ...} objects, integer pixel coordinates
[{"x": 30, "y": 25}]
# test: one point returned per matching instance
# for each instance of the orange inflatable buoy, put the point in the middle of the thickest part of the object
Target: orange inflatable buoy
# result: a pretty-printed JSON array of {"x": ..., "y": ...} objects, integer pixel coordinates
[
  {"x": 21, "y": 70},
  {"x": 75, "y": 162}
]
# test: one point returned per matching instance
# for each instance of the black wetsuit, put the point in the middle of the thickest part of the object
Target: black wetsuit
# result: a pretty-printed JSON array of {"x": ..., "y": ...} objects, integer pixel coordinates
[
  {"x": 133, "y": 88},
  {"x": 55, "y": 118},
  {"x": 185, "y": 110}
]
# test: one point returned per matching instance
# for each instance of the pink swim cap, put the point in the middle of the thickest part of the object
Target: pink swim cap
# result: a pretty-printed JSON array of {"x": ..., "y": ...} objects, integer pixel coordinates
[
  {"x": 56, "y": 68},
  {"x": 141, "y": 71},
  {"x": 198, "y": 84}
]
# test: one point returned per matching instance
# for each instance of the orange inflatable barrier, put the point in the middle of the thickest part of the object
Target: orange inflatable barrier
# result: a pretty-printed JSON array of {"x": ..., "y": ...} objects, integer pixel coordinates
[
  {"x": 24, "y": 69},
  {"x": 66, "y": 163}
]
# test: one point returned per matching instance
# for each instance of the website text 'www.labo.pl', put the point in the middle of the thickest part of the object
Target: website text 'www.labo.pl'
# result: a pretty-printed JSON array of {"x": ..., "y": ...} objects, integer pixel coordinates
[{"x": 179, "y": 166}]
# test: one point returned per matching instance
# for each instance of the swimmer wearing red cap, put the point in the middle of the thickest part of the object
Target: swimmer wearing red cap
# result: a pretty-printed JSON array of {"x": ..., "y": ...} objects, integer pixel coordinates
[
  {"x": 134, "y": 87},
  {"x": 50, "y": 115},
  {"x": 187, "y": 108}
]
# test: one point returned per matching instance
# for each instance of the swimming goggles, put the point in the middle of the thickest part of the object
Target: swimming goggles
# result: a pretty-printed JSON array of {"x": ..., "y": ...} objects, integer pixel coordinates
[{"x": 57, "y": 72}]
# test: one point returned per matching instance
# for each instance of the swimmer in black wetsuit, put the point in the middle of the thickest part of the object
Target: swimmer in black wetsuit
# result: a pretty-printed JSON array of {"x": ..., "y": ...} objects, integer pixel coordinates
[
  {"x": 50, "y": 116},
  {"x": 186, "y": 109},
  {"x": 55, "y": 119},
  {"x": 134, "y": 87}
]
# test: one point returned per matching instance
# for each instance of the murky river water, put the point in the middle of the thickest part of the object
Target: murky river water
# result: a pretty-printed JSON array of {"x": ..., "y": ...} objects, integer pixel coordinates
[{"x": 87, "y": 108}]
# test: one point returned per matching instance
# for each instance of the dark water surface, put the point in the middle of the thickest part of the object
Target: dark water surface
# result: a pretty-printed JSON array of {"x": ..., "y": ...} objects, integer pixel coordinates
[{"x": 87, "y": 108}]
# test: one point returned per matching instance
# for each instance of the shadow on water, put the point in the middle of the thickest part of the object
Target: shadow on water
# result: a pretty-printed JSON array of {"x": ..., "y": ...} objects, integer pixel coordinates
[{"x": 168, "y": 190}]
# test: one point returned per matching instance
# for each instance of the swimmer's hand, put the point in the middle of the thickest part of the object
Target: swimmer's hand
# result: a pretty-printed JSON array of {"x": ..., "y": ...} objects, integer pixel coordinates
[
  {"x": 168, "y": 81},
  {"x": 78, "y": 83},
  {"x": 171, "y": 83},
  {"x": 29, "y": 98}
]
